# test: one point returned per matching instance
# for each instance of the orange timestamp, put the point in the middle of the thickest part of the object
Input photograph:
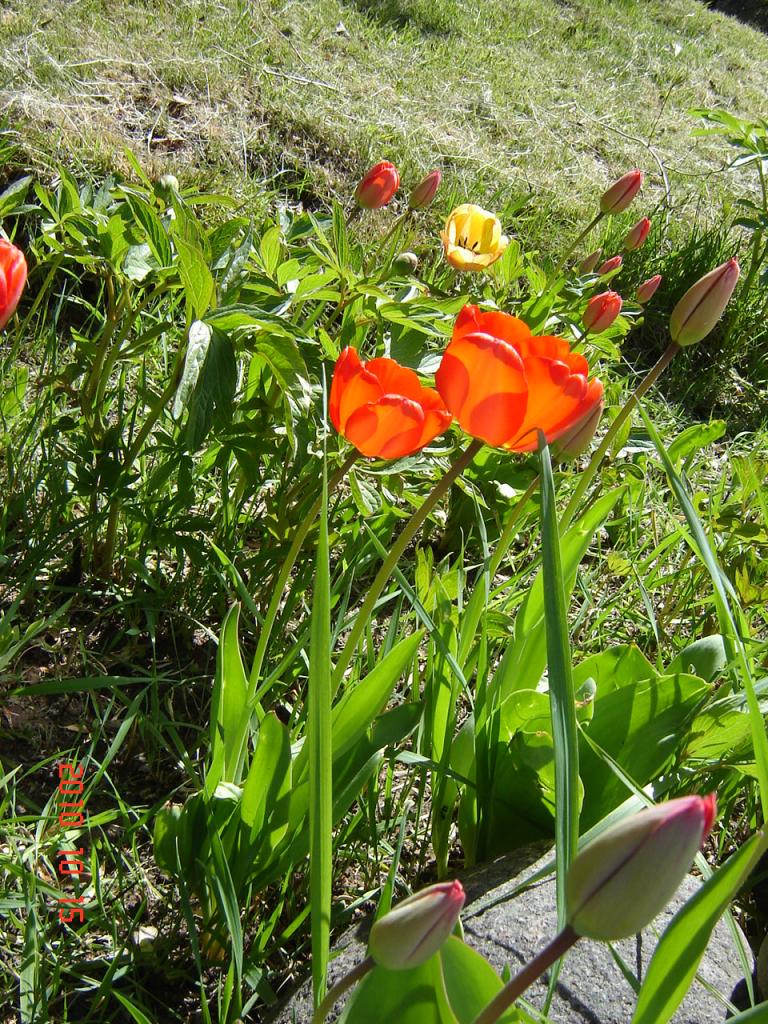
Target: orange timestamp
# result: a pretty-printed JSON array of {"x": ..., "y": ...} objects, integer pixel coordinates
[{"x": 71, "y": 815}]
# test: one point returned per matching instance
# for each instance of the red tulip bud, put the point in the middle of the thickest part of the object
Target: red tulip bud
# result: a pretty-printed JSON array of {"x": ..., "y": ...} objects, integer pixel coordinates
[
  {"x": 13, "y": 276},
  {"x": 589, "y": 263},
  {"x": 646, "y": 290},
  {"x": 636, "y": 235},
  {"x": 601, "y": 311},
  {"x": 625, "y": 877},
  {"x": 618, "y": 197},
  {"x": 702, "y": 305},
  {"x": 416, "y": 928},
  {"x": 609, "y": 265},
  {"x": 425, "y": 191},
  {"x": 378, "y": 186}
]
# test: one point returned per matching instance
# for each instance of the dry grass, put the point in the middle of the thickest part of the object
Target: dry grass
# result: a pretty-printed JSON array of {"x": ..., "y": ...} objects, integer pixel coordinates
[{"x": 555, "y": 98}]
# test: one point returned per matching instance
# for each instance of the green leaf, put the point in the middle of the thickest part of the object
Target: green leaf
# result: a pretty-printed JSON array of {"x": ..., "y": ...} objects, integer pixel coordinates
[
  {"x": 681, "y": 947},
  {"x": 561, "y": 690},
  {"x": 197, "y": 349},
  {"x": 214, "y": 393},
  {"x": 229, "y": 720},
  {"x": 319, "y": 742},
  {"x": 408, "y": 997},
  {"x": 269, "y": 779},
  {"x": 694, "y": 438},
  {"x": 199, "y": 286},
  {"x": 156, "y": 235},
  {"x": 12, "y": 199},
  {"x": 705, "y": 658},
  {"x": 164, "y": 838},
  {"x": 470, "y": 982}
]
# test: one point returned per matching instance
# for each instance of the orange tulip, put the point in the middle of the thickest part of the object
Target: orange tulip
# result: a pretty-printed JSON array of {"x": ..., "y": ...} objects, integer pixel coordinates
[
  {"x": 13, "y": 275},
  {"x": 378, "y": 186},
  {"x": 609, "y": 265},
  {"x": 381, "y": 407},
  {"x": 637, "y": 235},
  {"x": 503, "y": 384},
  {"x": 648, "y": 288}
]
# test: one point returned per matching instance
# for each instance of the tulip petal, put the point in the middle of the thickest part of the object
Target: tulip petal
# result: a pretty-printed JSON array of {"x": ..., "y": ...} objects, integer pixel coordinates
[
  {"x": 395, "y": 379},
  {"x": 557, "y": 398},
  {"x": 500, "y": 325},
  {"x": 482, "y": 382},
  {"x": 388, "y": 428},
  {"x": 352, "y": 386}
]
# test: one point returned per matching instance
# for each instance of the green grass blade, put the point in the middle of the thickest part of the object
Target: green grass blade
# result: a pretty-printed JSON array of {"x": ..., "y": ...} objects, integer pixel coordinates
[
  {"x": 728, "y": 625},
  {"x": 320, "y": 758},
  {"x": 561, "y": 692},
  {"x": 685, "y": 938},
  {"x": 755, "y": 1015}
]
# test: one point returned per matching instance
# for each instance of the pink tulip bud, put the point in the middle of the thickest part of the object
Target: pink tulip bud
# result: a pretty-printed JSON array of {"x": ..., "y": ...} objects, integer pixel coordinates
[
  {"x": 578, "y": 438},
  {"x": 378, "y": 186},
  {"x": 618, "y": 197},
  {"x": 13, "y": 276},
  {"x": 589, "y": 263},
  {"x": 416, "y": 928},
  {"x": 425, "y": 191},
  {"x": 646, "y": 290},
  {"x": 609, "y": 265},
  {"x": 625, "y": 877},
  {"x": 636, "y": 235},
  {"x": 601, "y": 311},
  {"x": 702, "y": 305}
]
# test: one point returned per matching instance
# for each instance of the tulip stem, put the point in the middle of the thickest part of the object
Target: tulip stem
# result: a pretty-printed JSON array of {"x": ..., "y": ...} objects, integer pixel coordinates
[
  {"x": 592, "y": 224},
  {"x": 594, "y": 463},
  {"x": 407, "y": 534},
  {"x": 341, "y": 986},
  {"x": 523, "y": 979}
]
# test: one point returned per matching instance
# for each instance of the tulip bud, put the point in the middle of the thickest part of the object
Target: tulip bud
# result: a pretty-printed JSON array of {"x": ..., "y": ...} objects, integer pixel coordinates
[
  {"x": 618, "y": 197},
  {"x": 378, "y": 186},
  {"x": 612, "y": 264},
  {"x": 636, "y": 235},
  {"x": 702, "y": 305},
  {"x": 601, "y": 311},
  {"x": 425, "y": 191},
  {"x": 13, "y": 277},
  {"x": 578, "y": 438},
  {"x": 646, "y": 290},
  {"x": 589, "y": 263},
  {"x": 416, "y": 928},
  {"x": 622, "y": 880},
  {"x": 405, "y": 263}
]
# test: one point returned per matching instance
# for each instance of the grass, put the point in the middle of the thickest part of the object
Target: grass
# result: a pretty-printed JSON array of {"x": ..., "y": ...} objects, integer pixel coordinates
[{"x": 551, "y": 99}]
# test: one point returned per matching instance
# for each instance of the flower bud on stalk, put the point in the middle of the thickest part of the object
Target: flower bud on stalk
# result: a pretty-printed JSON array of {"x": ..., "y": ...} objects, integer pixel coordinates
[
  {"x": 416, "y": 928},
  {"x": 636, "y": 235},
  {"x": 378, "y": 186},
  {"x": 702, "y": 305},
  {"x": 648, "y": 288},
  {"x": 621, "y": 881},
  {"x": 405, "y": 263},
  {"x": 576, "y": 441},
  {"x": 601, "y": 311},
  {"x": 589, "y": 263},
  {"x": 609, "y": 265},
  {"x": 13, "y": 277},
  {"x": 423, "y": 194},
  {"x": 618, "y": 197}
]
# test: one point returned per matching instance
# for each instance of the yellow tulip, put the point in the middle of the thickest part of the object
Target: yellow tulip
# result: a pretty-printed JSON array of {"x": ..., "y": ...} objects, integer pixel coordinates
[{"x": 472, "y": 238}]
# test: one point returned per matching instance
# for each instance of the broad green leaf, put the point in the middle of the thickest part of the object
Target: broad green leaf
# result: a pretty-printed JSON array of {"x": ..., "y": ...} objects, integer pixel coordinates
[
  {"x": 269, "y": 772},
  {"x": 214, "y": 392},
  {"x": 164, "y": 838},
  {"x": 156, "y": 234},
  {"x": 642, "y": 725},
  {"x": 694, "y": 438},
  {"x": 229, "y": 723},
  {"x": 705, "y": 658},
  {"x": 199, "y": 286},
  {"x": 197, "y": 348},
  {"x": 470, "y": 982},
  {"x": 755, "y": 1015},
  {"x": 681, "y": 947},
  {"x": 12, "y": 199},
  {"x": 407, "y": 997}
]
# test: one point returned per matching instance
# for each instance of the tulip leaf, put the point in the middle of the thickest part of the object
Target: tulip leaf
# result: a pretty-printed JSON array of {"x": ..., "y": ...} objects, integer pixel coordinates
[
  {"x": 227, "y": 702},
  {"x": 681, "y": 947}
]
